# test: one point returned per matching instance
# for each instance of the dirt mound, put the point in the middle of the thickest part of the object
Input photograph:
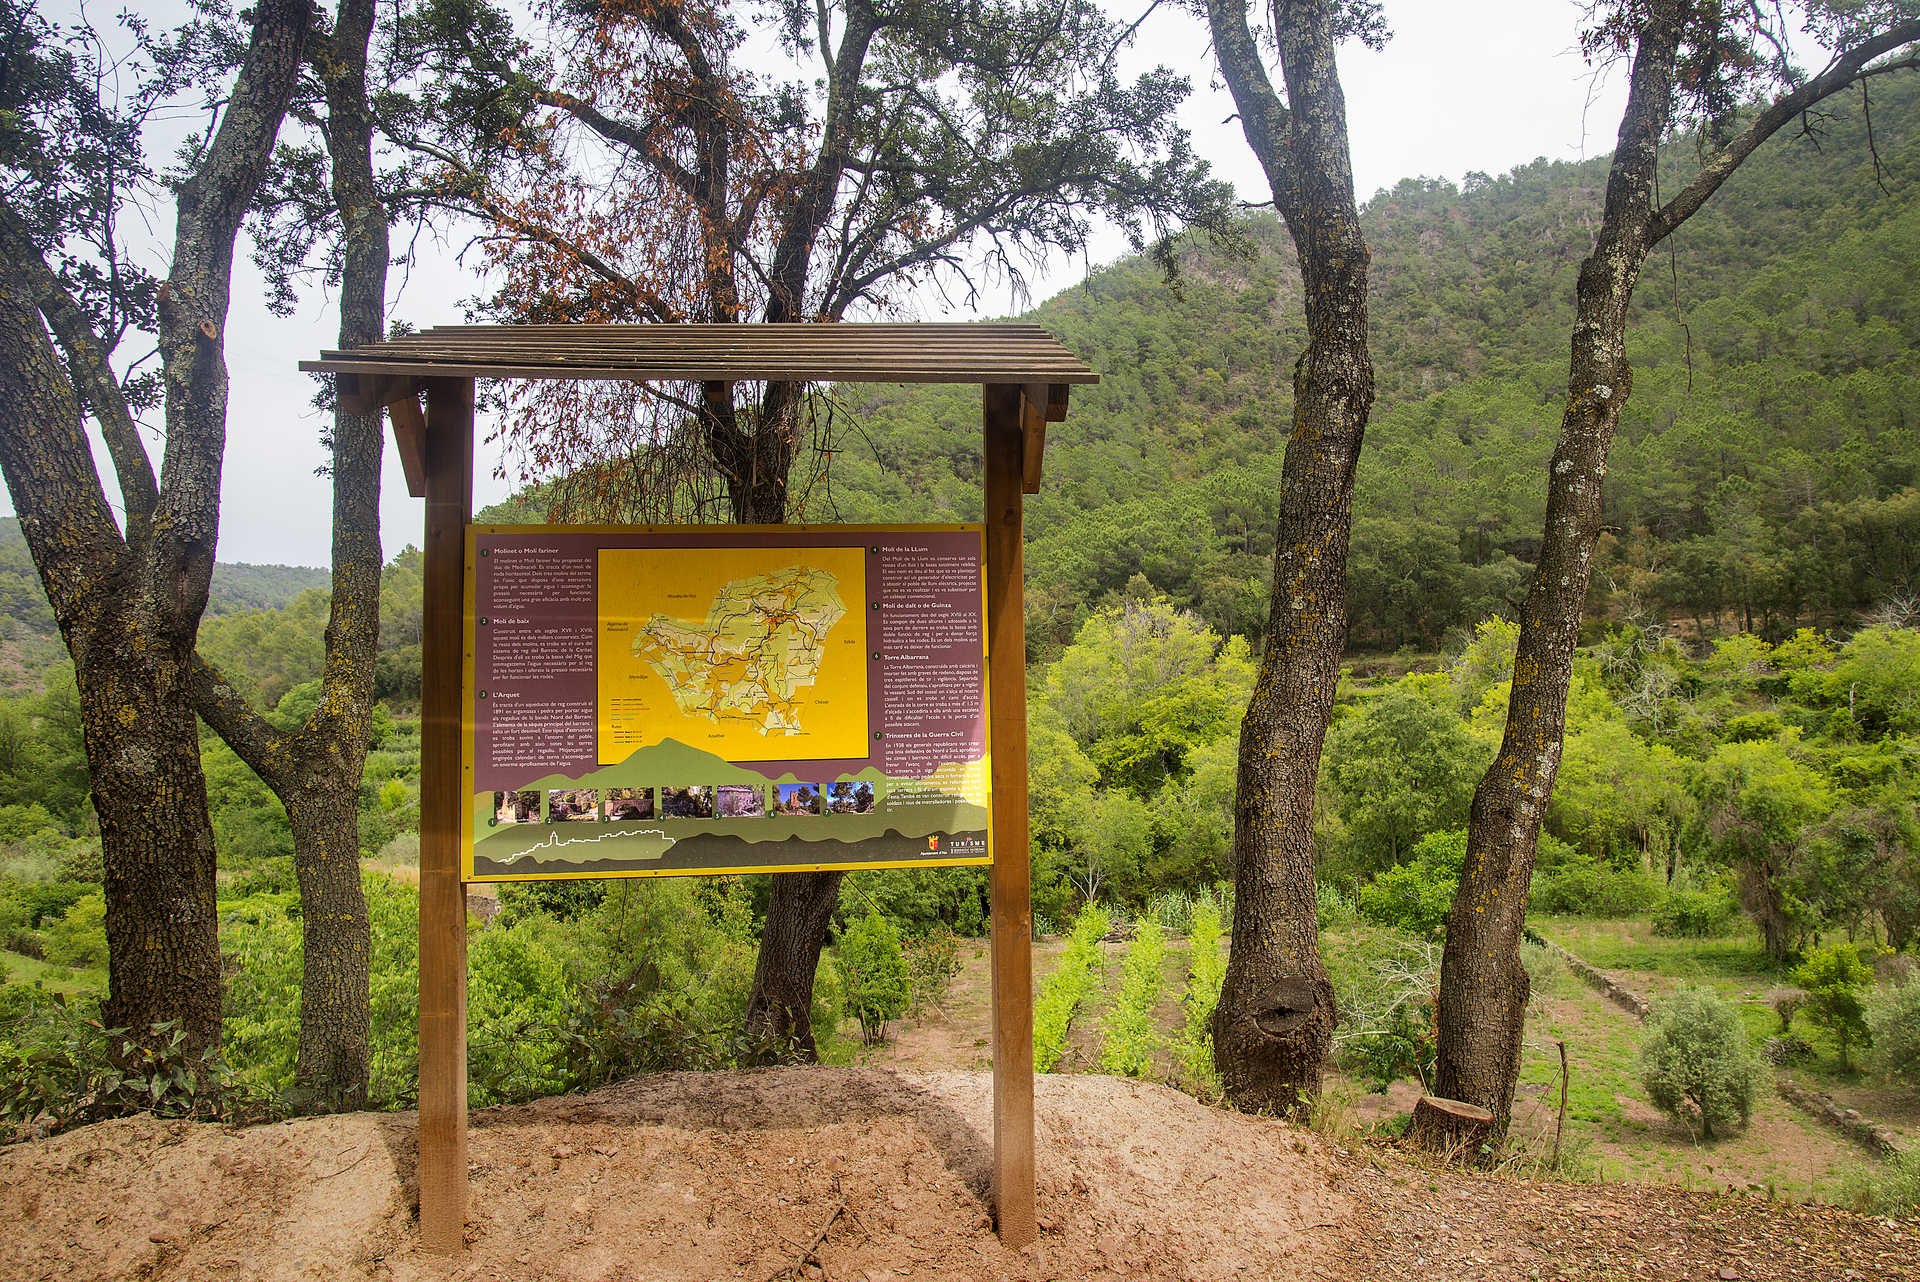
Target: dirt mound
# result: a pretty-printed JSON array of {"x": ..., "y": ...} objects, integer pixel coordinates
[
  {"x": 737, "y": 1175},
  {"x": 686, "y": 1176}
]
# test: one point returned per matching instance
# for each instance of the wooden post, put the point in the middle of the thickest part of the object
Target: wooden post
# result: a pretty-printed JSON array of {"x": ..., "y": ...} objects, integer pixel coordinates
[
  {"x": 443, "y": 897},
  {"x": 1004, "y": 409}
]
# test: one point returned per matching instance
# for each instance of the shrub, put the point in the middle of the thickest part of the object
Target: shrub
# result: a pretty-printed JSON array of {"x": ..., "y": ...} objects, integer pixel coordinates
[
  {"x": 1207, "y": 969},
  {"x": 1589, "y": 888},
  {"x": 1696, "y": 1062},
  {"x": 1692, "y": 914},
  {"x": 1835, "y": 979},
  {"x": 1060, "y": 996},
  {"x": 1332, "y": 908},
  {"x": 60, "y": 1067},
  {"x": 875, "y": 975},
  {"x": 1128, "y": 1047},
  {"x": 1417, "y": 896},
  {"x": 1893, "y": 1019},
  {"x": 1547, "y": 975},
  {"x": 1173, "y": 910},
  {"x": 933, "y": 959},
  {"x": 1890, "y": 1187},
  {"x": 79, "y": 939},
  {"x": 1388, "y": 1009}
]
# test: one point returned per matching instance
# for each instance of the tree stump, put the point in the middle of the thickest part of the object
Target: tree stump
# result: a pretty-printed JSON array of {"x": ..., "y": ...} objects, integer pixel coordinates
[{"x": 1451, "y": 1127}]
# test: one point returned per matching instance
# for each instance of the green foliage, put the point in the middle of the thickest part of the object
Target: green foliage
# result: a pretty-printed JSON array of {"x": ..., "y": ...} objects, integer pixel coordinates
[
  {"x": 1836, "y": 979},
  {"x": 878, "y": 982},
  {"x": 60, "y": 1067},
  {"x": 1400, "y": 767},
  {"x": 933, "y": 962},
  {"x": 1333, "y": 907},
  {"x": 1692, "y": 914},
  {"x": 1588, "y": 888},
  {"x": 1417, "y": 896},
  {"x": 1893, "y": 1023},
  {"x": 1207, "y": 971},
  {"x": 1696, "y": 1061},
  {"x": 1386, "y": 996},
  {"x": 1890, "y": 1187},
  {"x": 1129, "y": 1043},
  {"x": 1067, "y": 987},
  {"x": 79, "y": 938}
]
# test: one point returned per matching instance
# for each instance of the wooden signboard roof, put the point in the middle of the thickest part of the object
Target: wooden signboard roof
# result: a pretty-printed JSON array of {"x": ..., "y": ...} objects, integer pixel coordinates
[{"x": 844, "y": 353}]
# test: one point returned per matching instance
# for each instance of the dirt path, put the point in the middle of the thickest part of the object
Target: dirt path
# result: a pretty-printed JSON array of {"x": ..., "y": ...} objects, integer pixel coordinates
[{"x": 730, "y": 1175}]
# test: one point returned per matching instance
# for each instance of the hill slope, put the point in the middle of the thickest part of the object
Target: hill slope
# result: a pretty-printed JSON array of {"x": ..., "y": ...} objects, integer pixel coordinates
[
  {"x": 30, "y": 641},
  {"x": 1765, "y": 470}
]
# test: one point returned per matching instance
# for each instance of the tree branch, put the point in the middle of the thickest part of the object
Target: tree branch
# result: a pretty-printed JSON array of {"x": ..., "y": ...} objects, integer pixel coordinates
[
  {"x": 91, "y": 371},
  {"x": 1843, "y": 71},
  {"x": 1263, "y": 116}
]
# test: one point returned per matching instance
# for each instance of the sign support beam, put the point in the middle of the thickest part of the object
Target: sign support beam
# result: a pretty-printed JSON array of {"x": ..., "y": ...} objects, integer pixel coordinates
[
  {"x": 1006, "y": 411},
  {"x": 448, "y": 467}
]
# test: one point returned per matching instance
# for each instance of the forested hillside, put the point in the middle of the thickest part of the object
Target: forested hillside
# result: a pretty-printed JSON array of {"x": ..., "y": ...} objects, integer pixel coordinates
[
  {"x": 29, "y": 642},
  {"x": 1765, "y": 474}
]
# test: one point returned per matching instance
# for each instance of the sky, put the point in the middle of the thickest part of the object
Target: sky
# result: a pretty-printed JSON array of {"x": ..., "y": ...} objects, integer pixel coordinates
[{"x": 1463, "y": 86}]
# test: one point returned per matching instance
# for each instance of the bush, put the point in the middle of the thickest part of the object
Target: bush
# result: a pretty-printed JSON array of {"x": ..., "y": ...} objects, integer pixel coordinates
[
  {"x": 1696, "y": 1062},
  {"x": 1332, "y": 908},
  {"x": 1386, "y": 997},
  {"x": 1207, "y": 969},
  {"x": 1890, "y": 1187},
  {"x": 1060, "y": 996},
  {"x": 875, "y": 975},
  {"x": 79, "y": 939},
  {"x": 1692, "y": 914},
  {"x": 1128, "y": 1047},
  {"x": 1589, "y": 888},
  {"x": 1417, "y": 896},
  {"x": 933, "y": 959},
  {"x": 60, "y": 1067},
  {"x": 1836, "y": 979},
  {"x": 1893, "y": 1020}
]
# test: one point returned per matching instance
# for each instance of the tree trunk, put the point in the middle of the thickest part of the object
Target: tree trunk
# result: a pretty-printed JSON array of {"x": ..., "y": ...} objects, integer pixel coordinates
[
  {"x": 142, "y": 744},
  {"x": 315, "y": 771},
  {"x": 1450, "y": 1126},
  {"x": 1274, "y": 1023},
  {"x": 800, "y": 908},
  {"x": 1483, "y": 987},
  {"x": 779, "y": 1009},
  {"x": 337, "y": 948}
]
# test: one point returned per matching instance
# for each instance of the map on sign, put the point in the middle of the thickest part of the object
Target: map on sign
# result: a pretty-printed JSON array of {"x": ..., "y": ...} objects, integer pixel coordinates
[
  {"x": 752, "y": 658},
  {"x": 733, "y": 650}
]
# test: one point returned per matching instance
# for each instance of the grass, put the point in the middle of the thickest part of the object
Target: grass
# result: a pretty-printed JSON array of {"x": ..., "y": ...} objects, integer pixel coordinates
[
  {"x": 1630, "y": 944},
  {"x": 55, "y": 979}
]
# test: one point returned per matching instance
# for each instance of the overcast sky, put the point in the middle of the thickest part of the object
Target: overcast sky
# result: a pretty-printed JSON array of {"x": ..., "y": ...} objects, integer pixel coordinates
[{"x": 1464, "y": 85}]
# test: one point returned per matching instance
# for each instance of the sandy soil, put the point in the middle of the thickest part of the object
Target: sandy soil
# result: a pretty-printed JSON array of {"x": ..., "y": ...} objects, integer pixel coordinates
[{"x": 734, "y": 1175}]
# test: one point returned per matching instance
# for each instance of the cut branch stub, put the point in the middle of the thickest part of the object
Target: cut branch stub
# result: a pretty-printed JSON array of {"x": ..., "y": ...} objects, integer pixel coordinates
[{"x": 1285, "y": 1004}]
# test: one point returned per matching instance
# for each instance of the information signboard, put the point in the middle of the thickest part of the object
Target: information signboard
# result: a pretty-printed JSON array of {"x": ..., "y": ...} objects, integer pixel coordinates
[{"x": 658, "y": 700}]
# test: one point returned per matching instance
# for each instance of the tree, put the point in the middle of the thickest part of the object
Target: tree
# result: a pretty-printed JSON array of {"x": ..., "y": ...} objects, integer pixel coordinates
[
  {"x": 646, "y": 176},
  {"x": 1834, "y": 978},
  {"x": 315, "y": 770},
  {"x": 1688, "y": 56},
  {"x": 1274, "y": 1024},
  {"x": 875, "y": 973},
  {"x": 1696, "y": 1062},
  {"x": 1398, "y": 769},
  {"x": 128, "y": 594}
]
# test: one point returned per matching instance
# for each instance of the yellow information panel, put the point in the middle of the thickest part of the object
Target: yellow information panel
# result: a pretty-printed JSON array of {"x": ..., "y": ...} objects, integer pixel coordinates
[{"x": 652, "y": 700}]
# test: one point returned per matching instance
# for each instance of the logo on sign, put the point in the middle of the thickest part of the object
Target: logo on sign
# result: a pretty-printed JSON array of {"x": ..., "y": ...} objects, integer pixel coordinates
[{"x": 933, "y": 842}]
